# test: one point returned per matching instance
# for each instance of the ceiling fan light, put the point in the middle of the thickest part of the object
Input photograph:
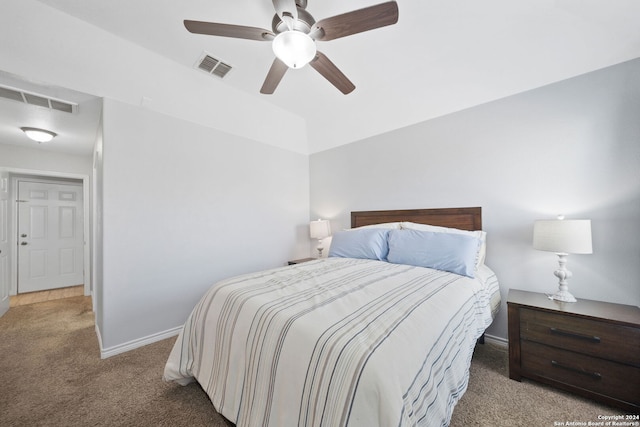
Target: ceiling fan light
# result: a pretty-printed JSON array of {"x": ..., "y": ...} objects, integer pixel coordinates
[
  {"x": 39, "y": 135},
  {"x": 294, "y": 48}
]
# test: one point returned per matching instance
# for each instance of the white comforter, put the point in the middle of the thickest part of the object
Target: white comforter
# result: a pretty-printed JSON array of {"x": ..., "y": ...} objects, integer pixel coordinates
[{"x": 336, "y": 342}]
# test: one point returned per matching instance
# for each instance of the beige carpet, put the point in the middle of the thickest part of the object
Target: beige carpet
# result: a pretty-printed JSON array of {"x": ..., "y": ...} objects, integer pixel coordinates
[{"x": 52, "y": 375}]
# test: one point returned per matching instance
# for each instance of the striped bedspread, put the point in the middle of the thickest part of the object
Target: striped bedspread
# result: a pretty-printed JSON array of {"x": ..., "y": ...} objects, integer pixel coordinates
[{"x": 336, "y": 342}]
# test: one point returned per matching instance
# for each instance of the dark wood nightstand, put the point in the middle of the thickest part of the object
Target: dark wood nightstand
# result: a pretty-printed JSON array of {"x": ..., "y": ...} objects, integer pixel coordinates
[
  {"x": 587, "y": 347},
  {"x": 301, "y": 260}
]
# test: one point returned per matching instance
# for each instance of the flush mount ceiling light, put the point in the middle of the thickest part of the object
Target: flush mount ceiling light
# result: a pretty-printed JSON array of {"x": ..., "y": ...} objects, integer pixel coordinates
[
  {"x": 39, "y": 135},
  {"x": 294, "y": 48}
]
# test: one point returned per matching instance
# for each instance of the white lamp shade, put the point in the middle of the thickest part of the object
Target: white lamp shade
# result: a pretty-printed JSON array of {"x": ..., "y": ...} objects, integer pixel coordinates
[
  {"x": 569, "y": 236},
  {"x": 319, "y": 229},
  {"x": 294, "y": 48}
]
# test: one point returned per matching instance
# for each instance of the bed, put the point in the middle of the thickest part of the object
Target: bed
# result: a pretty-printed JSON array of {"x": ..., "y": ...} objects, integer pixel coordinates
[{"x": 349, "y": 340}]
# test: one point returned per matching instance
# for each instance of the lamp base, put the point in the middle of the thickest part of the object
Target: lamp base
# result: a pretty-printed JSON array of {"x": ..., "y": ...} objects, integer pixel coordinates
[
  {"x": 564, "y": 296},
  {"x": 564, "y": 275}
]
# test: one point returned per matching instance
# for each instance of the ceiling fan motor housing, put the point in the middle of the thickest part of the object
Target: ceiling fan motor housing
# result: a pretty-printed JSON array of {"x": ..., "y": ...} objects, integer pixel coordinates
[{"x": 304, "y": 23}]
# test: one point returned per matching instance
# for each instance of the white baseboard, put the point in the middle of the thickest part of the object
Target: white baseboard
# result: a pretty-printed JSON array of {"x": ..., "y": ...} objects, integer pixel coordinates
[
  {"x": 499, "y": 341},
  {"x": 137, "y": 343}
]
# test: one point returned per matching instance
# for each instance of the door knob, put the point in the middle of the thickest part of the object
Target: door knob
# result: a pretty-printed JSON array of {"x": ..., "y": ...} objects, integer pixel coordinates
[
  {"x": 23, "y": 235},
  {"x": 23, "y": 243}
]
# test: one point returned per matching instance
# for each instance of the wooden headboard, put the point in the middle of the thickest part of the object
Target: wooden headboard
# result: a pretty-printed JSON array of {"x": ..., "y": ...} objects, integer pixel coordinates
[{"x": 462, "y": 218}]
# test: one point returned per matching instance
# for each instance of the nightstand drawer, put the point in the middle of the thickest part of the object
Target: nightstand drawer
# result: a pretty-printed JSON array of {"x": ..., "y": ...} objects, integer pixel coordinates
[
  {"x": 591, "y": 337},
  {"x": 589, "y": 373}
]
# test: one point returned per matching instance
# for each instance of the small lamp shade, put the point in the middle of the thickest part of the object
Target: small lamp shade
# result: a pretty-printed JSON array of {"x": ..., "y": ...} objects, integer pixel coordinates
[
  {"x": 568, "y": 236},
  {"x": 319, "y": 229}
]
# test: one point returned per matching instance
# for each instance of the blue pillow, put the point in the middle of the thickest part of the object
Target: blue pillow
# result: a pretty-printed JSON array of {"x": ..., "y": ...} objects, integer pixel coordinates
[
  {"x": 365, "y": 243},
  {"x": 455, "y": 253}
]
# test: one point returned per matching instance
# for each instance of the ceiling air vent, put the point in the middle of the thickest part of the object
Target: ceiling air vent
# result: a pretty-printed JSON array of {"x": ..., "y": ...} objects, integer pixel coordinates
[
  {"x": 211, "y": 65},
  {"x": 10, "y": 94},
  {"x": 37, "y": 99}
]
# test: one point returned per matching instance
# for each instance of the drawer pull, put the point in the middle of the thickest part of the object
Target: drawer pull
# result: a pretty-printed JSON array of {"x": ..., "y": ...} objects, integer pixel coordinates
[
  {"x": 595, "y": 375},
  {"x": 591, "y": 338}
]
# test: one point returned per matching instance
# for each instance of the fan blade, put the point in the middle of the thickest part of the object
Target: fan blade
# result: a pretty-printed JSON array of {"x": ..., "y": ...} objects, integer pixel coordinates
[
  {"x": 226, "y": 30},
  {"x": 287, "y": 11},
  {"x": 276, "y": 72},
  {"x": 329, "y": 71},
  {"x": 358, "y": 21}
]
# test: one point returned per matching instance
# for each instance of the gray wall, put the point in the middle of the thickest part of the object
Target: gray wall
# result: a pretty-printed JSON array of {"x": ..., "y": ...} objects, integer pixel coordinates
[
  {"x": 569, "y": 148},
  {"x": 183, "y": 206}
]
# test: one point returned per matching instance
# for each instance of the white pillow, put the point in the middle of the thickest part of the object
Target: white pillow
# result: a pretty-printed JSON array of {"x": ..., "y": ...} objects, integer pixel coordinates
[
  {"x": 389, "y": 225},
  {"x": 482, "y": 235}
]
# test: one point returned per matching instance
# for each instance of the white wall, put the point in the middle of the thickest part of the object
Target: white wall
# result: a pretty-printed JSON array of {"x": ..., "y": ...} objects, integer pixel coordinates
[
  {"x": 13, "y": 156},
  {"x": 571, "y": 147},
  {"x": 183, "y": 206}
]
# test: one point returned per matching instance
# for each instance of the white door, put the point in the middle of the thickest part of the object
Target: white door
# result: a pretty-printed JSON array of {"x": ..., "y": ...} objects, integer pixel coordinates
[
  {"x": 4, "y": 242},
  {"x": 50, "y": 236}
]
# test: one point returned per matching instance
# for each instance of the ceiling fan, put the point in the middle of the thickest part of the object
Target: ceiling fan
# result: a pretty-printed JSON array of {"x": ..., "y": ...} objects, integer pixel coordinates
[{"x": 294, "y": 33}]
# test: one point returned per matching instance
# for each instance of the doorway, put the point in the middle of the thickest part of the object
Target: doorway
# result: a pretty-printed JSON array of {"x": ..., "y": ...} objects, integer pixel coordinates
[
  {"x": 50, "y": 234},
  {"x": 71, "y": 220}
]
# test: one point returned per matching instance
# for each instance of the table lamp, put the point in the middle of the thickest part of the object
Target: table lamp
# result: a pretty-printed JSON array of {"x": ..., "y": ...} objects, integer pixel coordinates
[
  {"x": 319, "y": 230},
  {"x": 564, "y": 237}
]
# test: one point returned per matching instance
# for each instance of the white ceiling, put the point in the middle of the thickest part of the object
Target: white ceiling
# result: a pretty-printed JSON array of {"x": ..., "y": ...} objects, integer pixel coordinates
[
  {"x": 76, "y": 131},
  {"x": 442, "y": 55}
]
